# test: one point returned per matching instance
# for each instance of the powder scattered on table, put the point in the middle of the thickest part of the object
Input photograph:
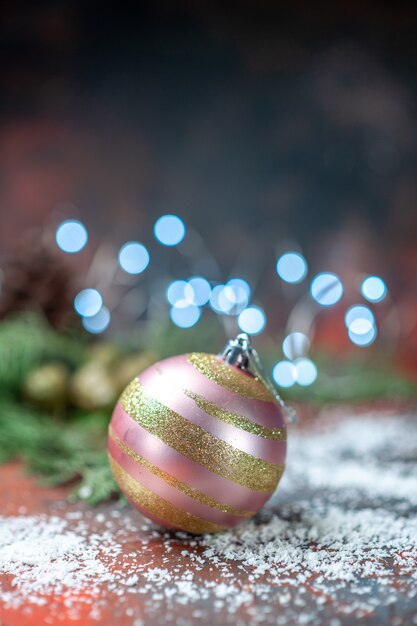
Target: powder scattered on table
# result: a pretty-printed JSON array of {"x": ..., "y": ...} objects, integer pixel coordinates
[{"x": 339, "y": 532}]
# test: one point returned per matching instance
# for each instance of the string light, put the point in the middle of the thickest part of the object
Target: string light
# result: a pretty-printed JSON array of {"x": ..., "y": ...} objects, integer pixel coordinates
[
  {"x": 360, "y": 326},
  {"x": 241, "y": 288},
  {"x": 227, "y": 299},
  {"x": 359, "y": 319},
  {"x": 186, "y": 297},
  {"x": 201, "y": 290},
  {"x": 326, "y": 288},
  {"x": 133, "y": 257},
  {"x": 169, "y": 230},
  {"x": 373, "y": 289},
  {"x": 176, "y": 291},
  {"x": 363, "y": 339},
  {"x": 252, "y": 320},
  {"x": 97, "y": 323},
  {"x": 295, "y": 345},
  {"x": 184, "y": 314},
  {"x": 360, "y": 322},
  {"x": 241, "y": 294},
  {"x": 292, "y": 267},
  {"x": 71, "y": 236},
  {"x": 222, "y": 299},
  {"x": 284, "y": 374},
  {"x": 88, "y": 302},
  {"x": 306, "y": 371}
]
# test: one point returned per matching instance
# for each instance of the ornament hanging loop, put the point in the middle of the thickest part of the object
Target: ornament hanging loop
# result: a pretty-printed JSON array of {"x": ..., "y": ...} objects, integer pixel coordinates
[
  {"x": 242, "y": 354},
  {"x": 238, "y": 351}
]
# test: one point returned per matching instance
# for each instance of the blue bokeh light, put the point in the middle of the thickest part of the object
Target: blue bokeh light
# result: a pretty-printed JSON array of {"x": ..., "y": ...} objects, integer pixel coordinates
[
  {"x": 326, "y": 288},
  {"x": 71, "y": 236},
  {"x": 88, "y": 302},
  {"x": 201, "y": 290},
  {"x": 373, "y": 289},
  {"x": 358, "y": 311},
  {"x": 252, "y": 320},
  {"x": 359, "y": 319},
  {"x": 169, "y": 230},
  {"x": 133, "y": 257},
  {"x": 241, "y": 288},
  {"x": 360, "y": 326},
  {"x": 176, "y": 291},
  {"x": 306, "y": 371},
  {"x": 295, "y": 345},
  {"x": 292, "y": 267},
  {"x": 97, "y": 323},
  {"x": 219, "y": 299},
  {"x": 284, "y": 374},
  {"x": 184, "y": 314},
  {"x": 363, "y": 339},
  {"x": 227, "y": 300},
  {"x": 241, "y": 294}
]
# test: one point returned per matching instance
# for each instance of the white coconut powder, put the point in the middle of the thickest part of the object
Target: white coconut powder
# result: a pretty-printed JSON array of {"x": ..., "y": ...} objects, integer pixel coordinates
[{"x": 338, "y": 538}]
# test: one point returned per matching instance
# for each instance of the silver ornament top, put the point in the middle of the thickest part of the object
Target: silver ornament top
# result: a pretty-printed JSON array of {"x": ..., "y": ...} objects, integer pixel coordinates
[
  {"x": 242, "y": 354},
  {"x": 238, "y": 351}
]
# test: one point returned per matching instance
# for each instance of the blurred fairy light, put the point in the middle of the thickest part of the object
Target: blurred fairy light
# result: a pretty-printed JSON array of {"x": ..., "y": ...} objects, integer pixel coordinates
[
  {"x": 360, "y": 322},
  {"x": 363, "y": 339},
  {"x": 229, "y": 299},
  {"x": 360, "y": 326},
  {"x": 241, "y": 294},
  {"x": 252, "y": 320},
  {"x": 189, "y": 294},
  {"x": 222, "y": 299},
  {"x": 71, "y": 236},
  {"x": 184, "y": 314},
  {"x": 295, "y": 345},
  {"x": 169, "y": 230},
  {"x": 188, "y": 297},
  {"x": 133, "y": 257},
  {"x": 306, "y": 371},
  {"x": 201, "y": 290},
  {"x": 359, "y": 319},
  {"x": 326, "y": 289},
  {"x": 241, "y": 289},
  {"x": 88, "y": 302},
  {"x": 176, "y": 291},
  {"x": 301, "y": 371},
  {"x": 284, "y": 374},
  {"x": 292, "y": 267},
  {"x": 373, "y": 289},
  {"x": 97, "y": 323}
]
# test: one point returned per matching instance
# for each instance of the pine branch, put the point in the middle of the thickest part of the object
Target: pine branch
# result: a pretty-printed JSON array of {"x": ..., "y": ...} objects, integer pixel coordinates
[
  {"x": 58, "y": 451},
  {"x": 26, "y": 341}
]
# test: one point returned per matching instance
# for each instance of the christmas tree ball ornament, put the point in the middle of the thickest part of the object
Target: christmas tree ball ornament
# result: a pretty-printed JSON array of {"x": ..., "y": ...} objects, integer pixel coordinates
[{"x": 197, "y": 442}]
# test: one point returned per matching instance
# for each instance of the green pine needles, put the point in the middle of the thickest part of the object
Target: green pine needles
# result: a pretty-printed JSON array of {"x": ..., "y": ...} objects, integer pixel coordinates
[{"x": 69, "y": 447}]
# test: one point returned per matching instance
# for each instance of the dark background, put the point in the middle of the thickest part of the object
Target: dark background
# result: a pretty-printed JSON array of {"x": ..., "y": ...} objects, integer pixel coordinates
[{"x": 265, "y": 126}]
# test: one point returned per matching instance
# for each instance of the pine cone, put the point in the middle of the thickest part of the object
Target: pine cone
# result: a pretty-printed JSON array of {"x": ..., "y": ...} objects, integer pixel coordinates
[{"x": 36, "y": 278}]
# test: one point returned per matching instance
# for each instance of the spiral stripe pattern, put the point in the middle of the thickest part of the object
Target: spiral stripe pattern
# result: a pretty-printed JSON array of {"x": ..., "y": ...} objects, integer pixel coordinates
[
  {"x": 195, "y": 446},
  {"x": 171, "y": 480}
]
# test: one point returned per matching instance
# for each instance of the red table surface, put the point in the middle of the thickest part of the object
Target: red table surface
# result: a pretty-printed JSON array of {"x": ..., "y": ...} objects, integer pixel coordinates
[{"x": 23, "y": 494}]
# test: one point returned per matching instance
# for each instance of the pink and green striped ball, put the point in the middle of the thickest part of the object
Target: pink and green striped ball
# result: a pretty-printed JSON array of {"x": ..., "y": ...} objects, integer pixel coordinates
[{"x": 196, "y": 444}]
